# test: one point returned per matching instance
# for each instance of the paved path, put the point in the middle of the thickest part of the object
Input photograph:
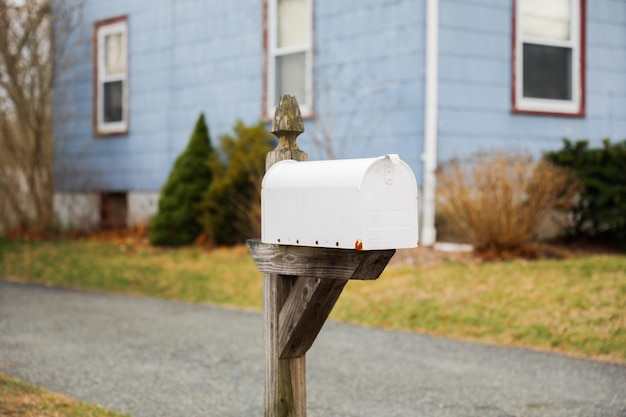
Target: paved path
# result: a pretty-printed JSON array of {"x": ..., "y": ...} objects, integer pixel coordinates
[{"x": 155, "y": 358}]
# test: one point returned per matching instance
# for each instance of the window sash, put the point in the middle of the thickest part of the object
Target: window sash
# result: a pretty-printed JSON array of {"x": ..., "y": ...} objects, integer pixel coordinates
[
  {"x": 104, "y": 78},
  {"x": 276, "y": 52},
  {"x": 113, "y": 109},
  {"x": 114, "y": 53},
  {"x": 546, "y": 19},
  {"x": 288, "y": 31},
  {"x": 533, "y": 104},
  {"x": 552, "y": 75}
]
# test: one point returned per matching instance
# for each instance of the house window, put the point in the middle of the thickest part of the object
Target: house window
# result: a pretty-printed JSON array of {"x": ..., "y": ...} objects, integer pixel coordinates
[
  {"x": 290, "y": 53},
  {"x": 549, "y": 57},
  {"x": 111, "y": 80}
]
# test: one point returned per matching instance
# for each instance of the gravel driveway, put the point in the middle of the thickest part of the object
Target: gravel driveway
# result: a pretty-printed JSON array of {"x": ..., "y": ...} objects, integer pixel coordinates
[{"x": 155, "y": 358}]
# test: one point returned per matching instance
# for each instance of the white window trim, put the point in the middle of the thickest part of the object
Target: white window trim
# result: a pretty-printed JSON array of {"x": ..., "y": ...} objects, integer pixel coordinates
[
  {"x": 110, "y": 127},
  {"x": 573, "y": 106},
  {"x": 306, "y": 107}
]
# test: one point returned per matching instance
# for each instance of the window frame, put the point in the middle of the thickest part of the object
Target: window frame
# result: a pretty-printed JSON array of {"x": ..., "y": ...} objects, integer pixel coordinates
[
  {"x": 272, "y": 52},
  {"x": 527, "y": 105},
  {"x": 103, "y": 28}
]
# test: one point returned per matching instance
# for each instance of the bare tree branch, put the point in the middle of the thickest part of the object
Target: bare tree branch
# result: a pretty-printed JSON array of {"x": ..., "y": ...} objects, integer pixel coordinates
[{"x": 30, "y": 34}]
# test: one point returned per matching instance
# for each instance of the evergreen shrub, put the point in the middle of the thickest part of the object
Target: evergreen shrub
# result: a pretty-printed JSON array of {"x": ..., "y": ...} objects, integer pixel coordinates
[
  {"x": 231, "y": 209},
  {"x": 176, "y": 223},
  {"x": 600, "y": 212}
]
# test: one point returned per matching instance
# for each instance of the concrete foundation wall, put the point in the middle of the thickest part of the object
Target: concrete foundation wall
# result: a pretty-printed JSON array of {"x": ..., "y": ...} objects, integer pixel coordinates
[
  {"x": 141, "y": 207},
  {"x": 81, "y": 211},
  {"x": 77, "y": 211}
]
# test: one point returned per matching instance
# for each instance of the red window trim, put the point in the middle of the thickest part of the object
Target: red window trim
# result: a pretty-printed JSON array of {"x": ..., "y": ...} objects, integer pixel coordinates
[
  {"x": 582, "y": 76},
  {"x": 97, "y": 25}
]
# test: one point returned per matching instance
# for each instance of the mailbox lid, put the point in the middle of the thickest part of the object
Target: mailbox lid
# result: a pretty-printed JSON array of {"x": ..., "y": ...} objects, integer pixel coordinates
[
  {"x": 313, "y": 174},
  {"x": 368, "y": 203}
]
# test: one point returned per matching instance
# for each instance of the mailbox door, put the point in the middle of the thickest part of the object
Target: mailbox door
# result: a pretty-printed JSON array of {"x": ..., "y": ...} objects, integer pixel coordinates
[{"x": 389, "y": 197}]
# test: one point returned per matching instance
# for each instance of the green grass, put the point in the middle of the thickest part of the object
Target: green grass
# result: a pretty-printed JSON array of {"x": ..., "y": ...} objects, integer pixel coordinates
[
  {"x": 573, "y": 306},
  {"x": 18, "y": 398},
  {"x": 222, "y": 276}
]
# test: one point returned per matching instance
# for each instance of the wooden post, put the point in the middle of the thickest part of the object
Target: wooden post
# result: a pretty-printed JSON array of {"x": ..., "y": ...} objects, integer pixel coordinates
[
  {"x": 285, "y": 379},
  {"x": 300, "y": 287}
]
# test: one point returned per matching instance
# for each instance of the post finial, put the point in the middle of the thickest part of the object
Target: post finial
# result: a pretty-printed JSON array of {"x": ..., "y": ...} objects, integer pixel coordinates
[
  {"x": 287, "y": 125},
  {"x": 287, "y": 118}
]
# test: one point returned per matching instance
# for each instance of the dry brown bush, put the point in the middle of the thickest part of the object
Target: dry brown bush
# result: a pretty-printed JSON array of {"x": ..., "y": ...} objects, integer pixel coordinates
[{"x": 497, "y": 201}]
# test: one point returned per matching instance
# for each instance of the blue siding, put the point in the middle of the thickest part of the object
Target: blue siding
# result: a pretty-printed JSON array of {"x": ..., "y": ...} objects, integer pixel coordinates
[
  {"x": 185, "y": 57},
  {"x": 475, "y": 82},
  {"x": 189, "y": 56},
  {"x": 192, "y": 56},
  {"x": 369, "y": 71}
]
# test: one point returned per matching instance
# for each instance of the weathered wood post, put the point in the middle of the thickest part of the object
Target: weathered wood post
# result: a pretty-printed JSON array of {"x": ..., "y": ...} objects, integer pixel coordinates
[
  {"x": 301, "y": 283},
  {"x": 285, "y": 378}
]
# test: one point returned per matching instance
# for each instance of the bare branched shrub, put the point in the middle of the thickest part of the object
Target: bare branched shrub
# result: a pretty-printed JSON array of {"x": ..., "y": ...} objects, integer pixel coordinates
[
  {"x": 33, "y": 42},
  {"x": 497, "y": 201},
  {"x": 247, "y": 209}
]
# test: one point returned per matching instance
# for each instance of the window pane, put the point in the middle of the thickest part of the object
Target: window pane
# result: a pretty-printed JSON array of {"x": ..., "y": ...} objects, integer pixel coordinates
[
  {"x": 293, "y": 23},
  {"x": 547, "y": 72},
  {"x": 114, "y": 54},
  {"x": 113, "y": 101},
  {"x": 290, "y": 76},
  {"x": 546, "y": 18}
]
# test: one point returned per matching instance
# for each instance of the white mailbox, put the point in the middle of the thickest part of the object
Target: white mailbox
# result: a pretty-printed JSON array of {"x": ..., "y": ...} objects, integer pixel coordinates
[{"x": 362, "y": 204}]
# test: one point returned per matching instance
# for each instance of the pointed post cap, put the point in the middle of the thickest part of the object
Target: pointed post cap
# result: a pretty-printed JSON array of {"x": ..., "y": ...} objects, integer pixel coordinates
[
  {"x": 287, "y": 125},
  {"x": 287, "y": 118}
]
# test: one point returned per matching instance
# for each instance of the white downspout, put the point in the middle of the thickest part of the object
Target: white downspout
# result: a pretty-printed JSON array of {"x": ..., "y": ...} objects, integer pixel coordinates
[{"x": 429, "y": 157}]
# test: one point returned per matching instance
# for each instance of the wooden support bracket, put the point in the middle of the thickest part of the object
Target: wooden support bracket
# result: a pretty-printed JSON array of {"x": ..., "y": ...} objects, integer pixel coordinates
[
  {"x": 305, "y": 312},
  {"x": 328, "y": 263},
  {"x": 321, "y": 275}
]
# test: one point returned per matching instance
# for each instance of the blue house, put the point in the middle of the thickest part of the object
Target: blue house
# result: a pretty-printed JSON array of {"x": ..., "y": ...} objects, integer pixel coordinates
[{"x": 429, "y": 80}]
